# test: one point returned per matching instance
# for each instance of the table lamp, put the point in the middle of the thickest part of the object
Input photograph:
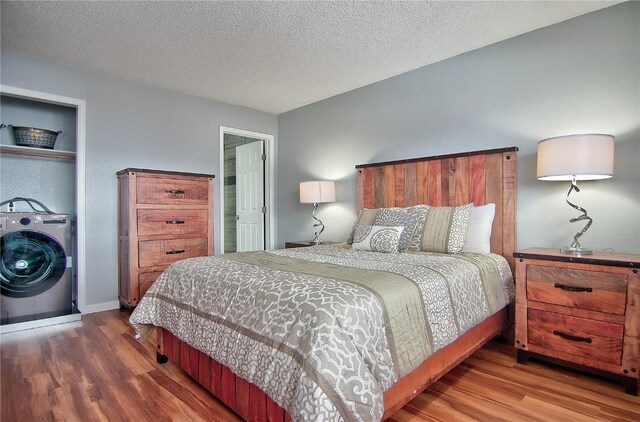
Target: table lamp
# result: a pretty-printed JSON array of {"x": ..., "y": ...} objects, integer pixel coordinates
[
  {"x": 316, "y": 192},
  {"x": 572, "y": 158}
]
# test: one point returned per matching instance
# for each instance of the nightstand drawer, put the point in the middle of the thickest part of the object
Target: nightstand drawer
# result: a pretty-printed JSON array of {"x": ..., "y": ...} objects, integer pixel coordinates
[
  {"x": 592, "y": 290},
  {"x": 598, "y": 340}
]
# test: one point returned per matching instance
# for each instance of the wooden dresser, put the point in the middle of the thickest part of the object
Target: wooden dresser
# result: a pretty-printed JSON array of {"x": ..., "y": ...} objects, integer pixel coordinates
[
  {"x": 163, "y": 217},
  {"x": 582, "y": 312}
]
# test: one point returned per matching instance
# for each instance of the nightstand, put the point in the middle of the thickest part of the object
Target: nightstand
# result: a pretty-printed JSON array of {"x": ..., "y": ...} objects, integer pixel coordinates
[
  {"x": 580, "y": 311},
  {"x": 303, "y": 243},
  {"x": 298, "y": 244}
]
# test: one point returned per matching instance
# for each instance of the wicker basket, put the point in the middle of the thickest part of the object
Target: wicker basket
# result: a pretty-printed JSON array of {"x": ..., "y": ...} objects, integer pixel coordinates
[{"x": 34, "y": 137}]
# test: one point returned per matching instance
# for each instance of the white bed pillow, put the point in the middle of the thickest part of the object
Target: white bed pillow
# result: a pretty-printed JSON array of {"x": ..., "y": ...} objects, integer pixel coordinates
[
  {"x": 377, "y": 238},
  {"x": 478, "y": 238}
]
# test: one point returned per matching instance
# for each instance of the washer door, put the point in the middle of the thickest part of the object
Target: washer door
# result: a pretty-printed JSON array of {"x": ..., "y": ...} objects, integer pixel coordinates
[{"x": 32, "y": 262}]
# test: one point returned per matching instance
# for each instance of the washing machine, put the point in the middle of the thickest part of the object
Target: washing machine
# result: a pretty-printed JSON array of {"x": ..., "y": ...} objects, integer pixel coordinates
[{"x": 35, "y": 267}]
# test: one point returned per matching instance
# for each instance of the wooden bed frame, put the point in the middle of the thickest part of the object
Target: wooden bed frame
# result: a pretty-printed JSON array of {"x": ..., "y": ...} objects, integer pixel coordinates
[{"x": 480, "y": 177}]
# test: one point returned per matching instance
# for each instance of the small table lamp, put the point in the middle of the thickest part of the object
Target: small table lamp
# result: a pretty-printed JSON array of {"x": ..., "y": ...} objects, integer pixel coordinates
[
  {"x": 316, "y": 192},
  {"x": 572, "y": 158}
]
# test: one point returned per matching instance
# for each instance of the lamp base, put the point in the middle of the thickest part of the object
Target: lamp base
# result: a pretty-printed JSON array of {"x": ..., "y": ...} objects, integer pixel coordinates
[{"x": 578, "y": 251}]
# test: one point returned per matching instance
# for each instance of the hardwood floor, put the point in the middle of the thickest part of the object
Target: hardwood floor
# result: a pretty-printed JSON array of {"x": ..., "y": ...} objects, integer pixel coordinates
[{"x": 94, "y": 370}]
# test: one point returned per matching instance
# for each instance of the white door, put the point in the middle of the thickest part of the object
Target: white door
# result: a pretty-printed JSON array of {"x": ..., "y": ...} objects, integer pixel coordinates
[{"x": 250, "y": 197}]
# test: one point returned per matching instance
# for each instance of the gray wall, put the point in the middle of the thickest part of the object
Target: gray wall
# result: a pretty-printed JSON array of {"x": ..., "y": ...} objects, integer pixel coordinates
[
  {"x": 131, "y": 125},
  {"x": 579, "y": 76}
]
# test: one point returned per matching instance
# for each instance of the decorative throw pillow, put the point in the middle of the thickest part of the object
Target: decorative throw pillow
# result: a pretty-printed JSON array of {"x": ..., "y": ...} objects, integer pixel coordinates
[
  {"x": 445, "y": 229},
  {"x": 478, "y": 238},
  {"x": 367, "y": 217},
  {"x": 414, "y": 241},
  {"x": 405, "y": 217},
  {"x": 377, "y": 238}
]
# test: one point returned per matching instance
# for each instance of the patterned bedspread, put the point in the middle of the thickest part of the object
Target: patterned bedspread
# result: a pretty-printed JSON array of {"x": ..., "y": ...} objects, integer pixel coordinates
[{"x": 325, "y": 330}]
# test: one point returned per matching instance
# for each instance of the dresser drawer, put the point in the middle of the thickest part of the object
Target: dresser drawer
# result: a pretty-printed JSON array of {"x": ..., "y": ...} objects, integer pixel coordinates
[
  {"x": 592, "y": 339},
  {"x": 174, "y": 221},
  {"x": 146, "y": 280},
  {"x": 154, "y": 253},
  {"x": 592, "y": 290},
  {"x": 172, "y": 191}
]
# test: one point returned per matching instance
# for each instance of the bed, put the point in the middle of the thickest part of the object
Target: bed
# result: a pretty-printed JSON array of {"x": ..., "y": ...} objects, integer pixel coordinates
[{"x": 367, "y": 353}]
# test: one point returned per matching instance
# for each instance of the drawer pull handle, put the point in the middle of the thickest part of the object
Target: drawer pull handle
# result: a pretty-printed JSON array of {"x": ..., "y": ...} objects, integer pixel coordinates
[
  {"x": 175, "y": 252},
  {"x": 572, "y": 288},
  {"x": 572, "y": 338},
  {"x": 175, "y": 192},
  {"x": 174, "y": 221}
]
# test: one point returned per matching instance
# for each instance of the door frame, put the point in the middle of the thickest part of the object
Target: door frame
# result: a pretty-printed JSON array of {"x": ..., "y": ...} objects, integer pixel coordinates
[
  {"x": 81, "y": 117},
  {"x": 269, "y": 184}
]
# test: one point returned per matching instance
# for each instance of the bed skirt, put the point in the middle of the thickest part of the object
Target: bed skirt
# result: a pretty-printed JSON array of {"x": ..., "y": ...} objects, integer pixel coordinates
[{"x": 252, "y": 404}]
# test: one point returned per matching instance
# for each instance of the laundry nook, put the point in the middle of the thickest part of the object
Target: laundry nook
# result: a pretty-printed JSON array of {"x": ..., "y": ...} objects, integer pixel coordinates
[{"x": 38, "y": 224}]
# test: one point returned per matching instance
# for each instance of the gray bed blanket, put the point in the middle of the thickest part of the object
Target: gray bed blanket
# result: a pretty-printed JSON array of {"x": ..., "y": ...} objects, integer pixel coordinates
[{"x": 325, "y": 330}]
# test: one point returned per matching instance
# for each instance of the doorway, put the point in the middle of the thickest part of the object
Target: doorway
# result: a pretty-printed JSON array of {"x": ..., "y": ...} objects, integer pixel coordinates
[{"x": 246, "y": 194}]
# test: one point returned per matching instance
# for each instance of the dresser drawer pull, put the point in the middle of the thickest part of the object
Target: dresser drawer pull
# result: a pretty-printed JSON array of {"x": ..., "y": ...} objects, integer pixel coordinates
[
  {"x": 175, "y": 252},
  {"x": 175, "y": 192},
  {"x": 174, "y": 221},
  {"x": 572, "y": 288},
  {"x": 570, "y": 337}
]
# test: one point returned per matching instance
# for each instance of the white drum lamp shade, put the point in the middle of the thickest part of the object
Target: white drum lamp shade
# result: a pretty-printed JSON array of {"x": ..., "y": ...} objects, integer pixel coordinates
[
  {"x": 317, "y": 192},
  {"x": 576, "y": 157}
]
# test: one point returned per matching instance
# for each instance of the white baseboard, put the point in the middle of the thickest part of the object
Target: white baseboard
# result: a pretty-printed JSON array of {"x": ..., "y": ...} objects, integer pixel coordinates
[
  {"x": 89, "y": 309},
  {"x": 37, "y": 323},
  {"x": 100, "y": 307}
]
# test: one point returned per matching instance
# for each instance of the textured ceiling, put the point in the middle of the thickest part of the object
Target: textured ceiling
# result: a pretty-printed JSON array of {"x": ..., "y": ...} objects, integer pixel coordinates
[{"x": 267, "y": 55}]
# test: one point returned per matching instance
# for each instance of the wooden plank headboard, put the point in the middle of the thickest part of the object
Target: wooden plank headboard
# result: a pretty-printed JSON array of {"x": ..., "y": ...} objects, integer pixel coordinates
[{"x": 480, "y": 177}]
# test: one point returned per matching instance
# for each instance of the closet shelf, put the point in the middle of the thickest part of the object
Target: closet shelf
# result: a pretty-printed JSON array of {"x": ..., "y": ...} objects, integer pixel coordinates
[{"x": 38, "y": 152}]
